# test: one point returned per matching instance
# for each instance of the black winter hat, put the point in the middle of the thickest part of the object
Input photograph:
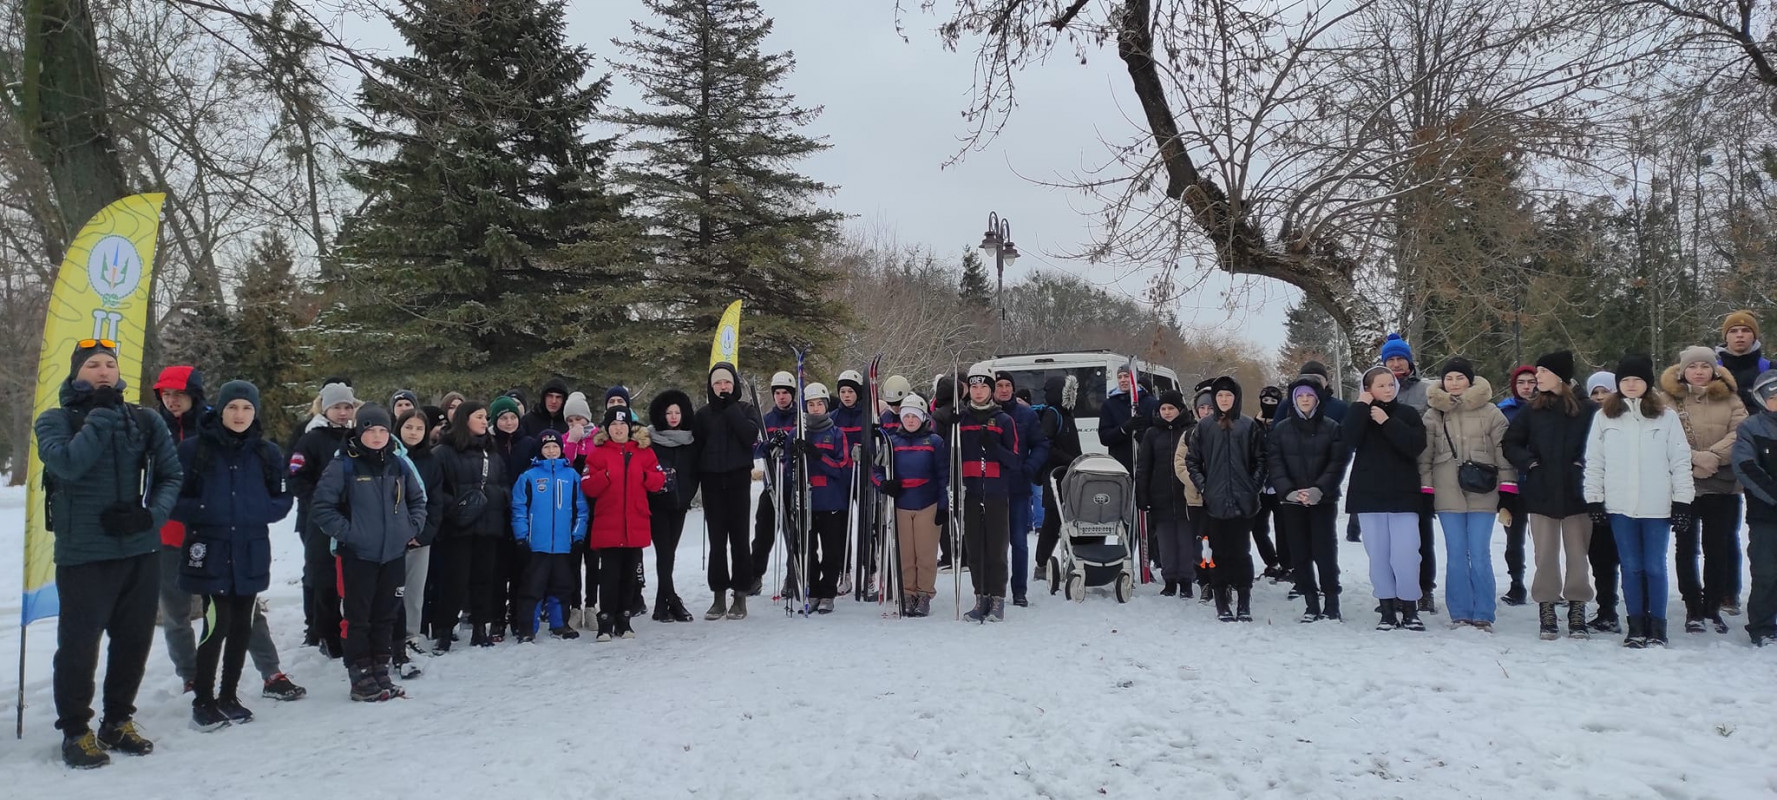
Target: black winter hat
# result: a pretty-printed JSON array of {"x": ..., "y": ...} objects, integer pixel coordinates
[
  {"x": 1003, "y": 375},
  {"x": 404, "y": 394},
  {"x": 1636, "y": 365},
  {"x": 81, "y": 354},
  {"x": 1459, "y": 365},
  {"x": 619, "y": 414},
  {"x": 548, "y": 436},
  {"x": 237, "y": 390},
  {"x": 1175, "y": 399},
  {"x": 1559, "y": 362},
  {"x": 1226, "y": 383},
  {"x": 435, "y": 418},
  {"x": 371, "y": 415},
  {"x": 1314, "y": 368}
]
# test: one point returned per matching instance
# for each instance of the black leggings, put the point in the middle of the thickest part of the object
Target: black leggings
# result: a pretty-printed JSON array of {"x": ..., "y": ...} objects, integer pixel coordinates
[
  {"x": 1605, "y": 560},
  {"x": 826, "y": 559},
  {"x": 464, "y": 569},
  {"x": 617, "y": 578},
  {"x": 228, "y": 626},
  {"x": 666, "y": 525},
  {"x": 1230, "y": 544},
  {"x": 1716, "y": 531}
]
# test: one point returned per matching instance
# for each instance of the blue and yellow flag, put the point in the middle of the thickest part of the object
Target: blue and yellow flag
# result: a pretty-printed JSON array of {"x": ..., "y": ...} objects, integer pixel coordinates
[{"x": 726, "y": 345}]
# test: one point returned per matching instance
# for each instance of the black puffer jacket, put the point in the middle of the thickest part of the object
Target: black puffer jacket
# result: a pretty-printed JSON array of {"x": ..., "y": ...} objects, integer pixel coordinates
[
  {"x": 538, "y": 419},
  {"x": 1385, "y": 459},
  {"x": 1548, "y": 448},
  {"x": 424, "y": 459},
  {"x": 726, "y": 429},
  {"x": 1157, "y": 488},
  {"x": 462, "y": 474},
  {"x": 1306, "y": 454},
  {"x": 1227, "y": 464},
  {"x": 675, "y": 447},
  {"x": 1056, "y": 420}
]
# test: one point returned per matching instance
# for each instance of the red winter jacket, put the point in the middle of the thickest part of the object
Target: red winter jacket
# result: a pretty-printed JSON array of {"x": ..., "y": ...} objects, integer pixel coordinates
[
  {"x": 619, "y": 477},
  {"x": 191, "y": 382}
]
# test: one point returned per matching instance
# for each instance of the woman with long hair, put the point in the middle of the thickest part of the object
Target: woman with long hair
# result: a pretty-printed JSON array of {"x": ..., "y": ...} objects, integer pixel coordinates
[
  {"x": 1226, "y": 460},
  {"x": 1707, "y": 401},
  {"x": 1547, "y": 445},
  {"x": 1386, "y": 437},
  {"x": 466, "y": 568}
]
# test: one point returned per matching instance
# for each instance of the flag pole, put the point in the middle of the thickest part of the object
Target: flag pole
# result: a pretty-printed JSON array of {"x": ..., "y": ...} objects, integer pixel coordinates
[{"x": 20, "y": 732}]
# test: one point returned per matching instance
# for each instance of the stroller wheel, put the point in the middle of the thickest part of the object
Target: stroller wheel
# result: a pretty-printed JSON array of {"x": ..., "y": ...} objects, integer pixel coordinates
[
  {"x": 1076, "y": 587},
  {"x": 1125, "y": 587}
]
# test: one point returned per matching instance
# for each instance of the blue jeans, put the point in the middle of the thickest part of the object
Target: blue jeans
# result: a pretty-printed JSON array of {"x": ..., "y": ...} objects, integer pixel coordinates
[
  {"x": 1641, "y": 544},
  {"x": 1036, "y": 506},
  {"x": 1468, "y": 565},
  {"x": 1018, "y": 523}
]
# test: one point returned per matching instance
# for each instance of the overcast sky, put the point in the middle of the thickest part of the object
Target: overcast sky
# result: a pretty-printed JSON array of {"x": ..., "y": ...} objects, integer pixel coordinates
[{"x": 893, "y": 116}]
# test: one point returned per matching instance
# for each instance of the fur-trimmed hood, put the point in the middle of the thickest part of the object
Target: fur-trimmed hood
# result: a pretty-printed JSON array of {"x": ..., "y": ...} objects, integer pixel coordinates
[
  {"x": 637, "y": 433},
  {"x": 1720, "y": 388},
  {"x": 1478, "y": 395}
]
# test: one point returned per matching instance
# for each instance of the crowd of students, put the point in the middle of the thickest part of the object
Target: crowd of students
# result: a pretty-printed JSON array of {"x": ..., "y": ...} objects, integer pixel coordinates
[{"x": 521, "y": 518}]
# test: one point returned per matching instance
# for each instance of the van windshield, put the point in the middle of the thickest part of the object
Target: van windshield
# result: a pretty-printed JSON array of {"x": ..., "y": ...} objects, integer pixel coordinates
[{"x": 1091, "y": 381}]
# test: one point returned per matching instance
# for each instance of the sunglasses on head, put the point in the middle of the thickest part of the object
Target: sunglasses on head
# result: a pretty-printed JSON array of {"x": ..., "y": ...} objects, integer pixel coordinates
[{"x": 88, "y": 344}]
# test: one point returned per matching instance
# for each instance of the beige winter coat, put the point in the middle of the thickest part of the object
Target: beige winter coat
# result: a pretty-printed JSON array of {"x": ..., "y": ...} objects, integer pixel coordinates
[
  {"x": 1711, "y": 416},
  {"x": 1477, "y": 427},
  {"x": 1193, "y": 498}
]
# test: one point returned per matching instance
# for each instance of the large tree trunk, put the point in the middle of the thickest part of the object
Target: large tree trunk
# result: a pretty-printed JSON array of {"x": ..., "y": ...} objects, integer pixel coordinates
[{"x": 63, "y": 110}]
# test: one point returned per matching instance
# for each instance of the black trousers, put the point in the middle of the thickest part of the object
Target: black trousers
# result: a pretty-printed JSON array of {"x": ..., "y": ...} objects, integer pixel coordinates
[
  {"x": 986, "y": 537},
  {"x": 545, "y": 575},
  {"x": 371, "y": 604},
  {"x": 1716, "y": 532},
  {"x": 666, "y": 525},
  {"x": 1049, "y": 533},
  {"x": 1230, "y": 544},
  {"x": 463, "y": 572},
  {"x": 228, "y": 625},
  {"x": 1313, "y": 534},
  {"x": 321, "y": 577},
  {"x": 617, "y": 577},
  {"x": 1761, "y": 601},
  {"x": 765, "y": 529},
  {"x": 1262, "y": 531},
  {"x": 115, "y": 598},
  {"x": 1515, "y": 537},
  {"x": 1428, "y": 547},
  {"x": 725, "y": 499},
  {"x": 826, "y": 557},
  {"x": 1603, "y": 555}
]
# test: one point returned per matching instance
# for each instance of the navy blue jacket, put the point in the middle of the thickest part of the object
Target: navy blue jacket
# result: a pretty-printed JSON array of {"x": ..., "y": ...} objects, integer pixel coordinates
[
  {"x": 990, "y": 458},
  {"x": 922, "y": 465},
  {"x": 548, "y": 509},
  {"x": 850, "y": 420},
  {"x": 777, "y": 420},
  {"x": 235, "y": 487},
  {"x": 1111, "y": 416},
  {"x": 829, "y": 469},
  {"x": 1033, "y": 447}
]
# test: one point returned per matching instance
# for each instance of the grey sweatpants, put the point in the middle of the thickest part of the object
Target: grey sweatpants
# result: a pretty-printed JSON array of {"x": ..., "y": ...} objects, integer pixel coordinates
[
  {"x": 413, "y": 591},
  {"x": 1176, "y": 541},
  {"x": 178, "y": 609}
]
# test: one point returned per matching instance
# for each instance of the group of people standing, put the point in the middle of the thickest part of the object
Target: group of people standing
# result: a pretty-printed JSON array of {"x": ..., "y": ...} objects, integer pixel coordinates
[{"x": 414, "y": 516}]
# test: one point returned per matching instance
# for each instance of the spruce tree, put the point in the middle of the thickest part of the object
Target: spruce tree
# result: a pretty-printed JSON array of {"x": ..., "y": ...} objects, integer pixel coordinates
[
  {"x": 714, "y": 150},
  {"x": 972, "y": 288},
  {"x": 489, "y": 252},
  {"x": 264, "y": 347}
]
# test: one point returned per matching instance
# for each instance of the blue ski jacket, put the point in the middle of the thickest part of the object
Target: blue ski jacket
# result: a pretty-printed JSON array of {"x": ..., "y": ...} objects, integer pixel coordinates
[
  {"x": 777, "y": 420},
  {"x": 548, "y": 510},
  {"x": 829, "y": 467},
  {"x": 990, "y": 459},
  {"x": 851, "y": 420},
  {"x": 922, "y": 465}
]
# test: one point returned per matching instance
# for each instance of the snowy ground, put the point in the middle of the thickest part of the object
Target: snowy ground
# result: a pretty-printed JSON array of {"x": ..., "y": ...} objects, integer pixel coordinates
[{"x": 1064, "y": 700}]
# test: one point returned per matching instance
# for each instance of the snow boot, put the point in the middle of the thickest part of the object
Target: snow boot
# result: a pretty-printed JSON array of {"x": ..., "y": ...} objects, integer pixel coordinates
[
  {"x": 738, "y": 608},
  {"x": 1550, "y": 627},
  {"x": 1020, "y": 600},
  {"x": 675, "y": 608},
  {"x": 758, "y": 587},
  {"x": 979, "y": 612},
  {"x": 479, "y": 637},
  {"x": 823, "y": 605},
  {"x": 623, "y": 630},
  {"x": 231, "y": 707},
  {"x": 381, "y": 673},
  {"x": 1410, "y": 617},
  {"x": 1330, "y": 606},
  {"x": 1515, "y": 596},
  {"x": 605, "y": 626},
  {"x": 496, "y": 634},
  {"x": 442, "y": 645},
  {"x": 1731, "y": 607},
  {"x": 925, "y": 606},
  {"x": 718, "y": 608},
  {"x": 1224, "y": 609},
  {"x": 206, "y": 717},
  {"x": 124, "y": 738},
  {"x": 407, "y": 670},
  {"x": 364, "y": 687},
  {"x": 1576, "y": 622},
  {"x": 1637, "y": 636},
  {"x": 564, "y": 632},
  {"x": 83, "y": 752},
  {"x": 1656, "y": 631},
  {"x": 996, "y": 609},
  {"x": 1244, "y": 606},
  {"x": 1427, "y": 604},
  {"x": 1171, "y": 589},
  {"x": 1716, "y": 620},
  {"x": 1205, "y": 594},
  {"x": 1312, "y": 611},
  {"x": 661, "y": 612},
  {"x": 1388, "y": 622},
  {"x": 1606, "y": 621},
  {"x": 280, "y": 687}
]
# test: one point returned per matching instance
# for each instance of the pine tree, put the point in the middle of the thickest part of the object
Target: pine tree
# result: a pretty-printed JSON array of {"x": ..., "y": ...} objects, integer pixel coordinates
[
  {"x": 489, "y": 246},
  {"x": 972, "y": 288},
  {"x": 714, "y": 151},
  {"x": 1312, "y": 335},
  {"x": 264, "y": 347}
]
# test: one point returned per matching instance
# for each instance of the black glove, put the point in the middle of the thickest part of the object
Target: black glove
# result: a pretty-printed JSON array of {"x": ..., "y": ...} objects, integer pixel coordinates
[
  {"x": 805, "y": 448},
  {"x": 990, "y": 444},
  {"x": 107, "y": 397},
  {"x": 1681, "y": 516},
  {"x": 123, "y": 519},
  {"x": 1136, "y": 425},
  {"x": 1599, "y": 516},
  {"x": 776, "y": 440},
  {"x": 577, "y": 547},
  {"x": 1504, "y": 503},
  {"x": 104, "y": 418},
  {"x": 891, "y": 487},
  {"x": 523, "y": 545},
  {"x": 944, "y": 415}
]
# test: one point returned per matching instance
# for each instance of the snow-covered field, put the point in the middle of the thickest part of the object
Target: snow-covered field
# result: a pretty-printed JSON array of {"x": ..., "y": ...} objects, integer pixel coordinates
[{"x": 1064, "y": 700}]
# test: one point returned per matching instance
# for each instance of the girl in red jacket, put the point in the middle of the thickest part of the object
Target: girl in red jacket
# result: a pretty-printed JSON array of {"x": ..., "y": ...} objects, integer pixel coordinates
[{"x": 620, "y": 472}]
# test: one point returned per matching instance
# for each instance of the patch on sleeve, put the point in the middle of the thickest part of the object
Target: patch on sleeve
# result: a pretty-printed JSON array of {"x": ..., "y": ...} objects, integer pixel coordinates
[{"x": 296, "y": 462}]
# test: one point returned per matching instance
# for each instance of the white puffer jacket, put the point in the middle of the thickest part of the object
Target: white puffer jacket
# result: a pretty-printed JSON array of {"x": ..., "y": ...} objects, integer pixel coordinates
[{"x": 1638, "y": 467}]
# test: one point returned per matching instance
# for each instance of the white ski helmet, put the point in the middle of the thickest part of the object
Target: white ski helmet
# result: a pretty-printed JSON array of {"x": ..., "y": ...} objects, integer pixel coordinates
[
  {"x": 783, "y": 380},
  {"x": 852, "y": 378},
  {"x": 815, "y": 391},
  {"x": 895, "y": 389},
  {"x": 914, "y": 402}
]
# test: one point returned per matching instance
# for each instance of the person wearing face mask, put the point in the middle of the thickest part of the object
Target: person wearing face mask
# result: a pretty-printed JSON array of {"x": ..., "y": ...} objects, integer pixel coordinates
[
  {"x": 465, "y": 566},
  {"x": 1602, "y": 553},
  {"x": 1386, "y": 438},
  {"x": 235, "y": 487},
  {"x": 726, "y": 429},
  {"x": 326, "y": 432},
  {"x": 414, "y": 431},
  {"x": 1547, "y": 445},
  {"x": 1708, "y": 404},
  {"x": 1306, "y": 457},
  {"x": 919, "y": 488},
  {"x": 1464, "y": 430},
  {"x": 1159, "y": 492},
  {"x": 112, "y": 477},
  {"x": 373, "y": 506},
  {"x": 1638, "y": 481}
]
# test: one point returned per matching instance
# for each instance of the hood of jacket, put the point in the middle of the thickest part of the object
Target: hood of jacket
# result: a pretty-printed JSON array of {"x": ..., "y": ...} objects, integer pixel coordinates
[
  {"x": 1061, "y": 391},
  {"x": 657, "y": 410},
  {"x": 1721, "y": 387},
  {"x": 1320, "y": 397},
  {"x": 1226, "y": 383},
  {"x": 710, "y": 392},
  {"x": 552, "y": 386},
  {"x": 1478, "y": 395},
  {"x": 637, "y": 434}
]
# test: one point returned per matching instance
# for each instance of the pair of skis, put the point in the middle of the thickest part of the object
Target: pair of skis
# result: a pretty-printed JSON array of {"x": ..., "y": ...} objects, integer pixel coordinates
[
  {"x": 880, "y": 524},
  {"x": 1141, "y": 517},
  {"x": 956, "y": 486}
]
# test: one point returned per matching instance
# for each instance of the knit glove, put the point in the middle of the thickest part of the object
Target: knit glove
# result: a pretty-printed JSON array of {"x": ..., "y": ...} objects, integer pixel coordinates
[
  {"x": 1597, "y": 513},
  {"x": 1682, "y": 516}
]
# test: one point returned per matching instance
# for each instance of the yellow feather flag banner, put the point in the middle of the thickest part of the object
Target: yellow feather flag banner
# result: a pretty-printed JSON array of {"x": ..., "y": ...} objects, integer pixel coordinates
[
  {"x": 101, "y": 292},
  {"x": 726, "y": 346}
]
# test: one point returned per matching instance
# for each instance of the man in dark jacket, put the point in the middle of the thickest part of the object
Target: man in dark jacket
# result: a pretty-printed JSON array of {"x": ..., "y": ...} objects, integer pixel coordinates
[
  {"x": 1743, "y": 355},
  {"x": 1119, "y": 426},
  {"x": 112, "y": 475},
  {"x": 547, "y": 416},
  {"x": 1033, "y": 454},
  {"x": 1055, "y": 419},
  {"x": 726, "y": 429},
  {"x": 774, "y": 448},
  {"x": 371, "y": 504},
  {"x": 181, "y": 393},
  {"x": 1755, "y": 464}
]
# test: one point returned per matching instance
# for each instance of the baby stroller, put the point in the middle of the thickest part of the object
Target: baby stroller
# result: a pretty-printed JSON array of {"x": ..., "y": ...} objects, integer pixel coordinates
[{"x": 1096, "y": 501}]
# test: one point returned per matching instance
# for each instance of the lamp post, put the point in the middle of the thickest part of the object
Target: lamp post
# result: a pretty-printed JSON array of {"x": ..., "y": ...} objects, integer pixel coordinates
[{"x": 998, "y": 241}]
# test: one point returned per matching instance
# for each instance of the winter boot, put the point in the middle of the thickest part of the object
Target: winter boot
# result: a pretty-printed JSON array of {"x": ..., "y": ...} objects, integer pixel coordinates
[
  {"x": 480, "y": 638},
  {"x": 1515, "y": 595},
  {"x": 1716, "y": 620},
  {"x": 1224, "y": 609},
  {"x": 661, "y": 612},
  {"x": 496, "y": 634},
  {"x": 381, "y": 673},
  {"x": 718, "y": 608},
  {"x": 1427, "y": 604},
  {"x": 622, "y": 628},
  {"x": 980, "y": 614},
  {"x": 280, "y": 687},
  {"x": 1606, "y": 621},
  {"x": 1387, "y": 608},
  {"x": 364, "y": 689},
  {"x": 1576, "y": 622},
  {"x": 1550, "y": 626},
  {"x": 442, "y": 645},
  {"x": 83, "y": 752},
  {"x": 1410, "y": 616},
  {"x": 605, "y": 626},
  {"x": 1637, "y": 636},
  {"x": 1312, "y": 612},
  {"x": 1171, "y": 589},
  {"x": 925, "y": 606},
  {"x": 206, "y": 717},
  {"x": 738, "y": 608},
  {"x": 1656, "y": 631},
  {"x": 1693, "y": 617},
  {"x": 823, "y": 605},
  {"x": 564, "y": 632},
  {"x": 1731, "y": 607},
  {"x": 124, "y": 738},
  {"x": 1330, "y": 606},
  {"x": 758, "y": 587},
  {"x": 1244, "y": 606},
  {"x": 407, "y": 670},
  {"x": 675, "y": 608},
  {"x": 231, "y": 707},
  {"x": 996, "y": 609},
  {"x": 1206, "y": 594}
]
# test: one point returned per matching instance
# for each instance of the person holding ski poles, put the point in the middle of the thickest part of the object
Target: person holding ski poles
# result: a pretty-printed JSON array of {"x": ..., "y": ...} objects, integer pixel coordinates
[
  {"x": 1033, "y": 456},
  {"x": 774, "y": 448},
  {"x": 990, "y": 461},
  {"x": 826, "y": 457},
  {"x": 855, "y": 419},
  {"x": 921, "y": 470}
]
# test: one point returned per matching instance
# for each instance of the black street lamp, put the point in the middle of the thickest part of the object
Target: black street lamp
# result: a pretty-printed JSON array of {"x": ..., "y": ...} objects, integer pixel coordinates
[{"x": 998, "y": 241}]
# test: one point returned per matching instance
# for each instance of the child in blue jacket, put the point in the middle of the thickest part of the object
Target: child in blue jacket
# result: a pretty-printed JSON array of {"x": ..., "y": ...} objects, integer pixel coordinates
[
  {"x": 549, "y": 522},
  {"x": 920, "y": 489},
  {"x": 828, "y": 468}
]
